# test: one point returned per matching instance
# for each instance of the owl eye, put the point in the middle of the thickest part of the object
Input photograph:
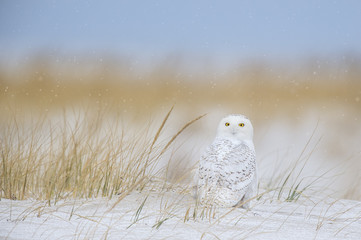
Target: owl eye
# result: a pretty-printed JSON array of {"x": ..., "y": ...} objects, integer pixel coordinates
[
  {"x": 241, "y": 124},
  {"x": 227, "y": 124}
]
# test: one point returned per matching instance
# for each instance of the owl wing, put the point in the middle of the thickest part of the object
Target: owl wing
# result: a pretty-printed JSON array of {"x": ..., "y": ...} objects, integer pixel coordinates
[
  {"x": 238, "y": 168},
  {"x": 206, "y": 168}
]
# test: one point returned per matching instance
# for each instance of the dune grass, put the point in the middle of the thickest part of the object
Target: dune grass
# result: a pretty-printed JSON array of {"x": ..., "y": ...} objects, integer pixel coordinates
[{"x": 83, "y": 156}]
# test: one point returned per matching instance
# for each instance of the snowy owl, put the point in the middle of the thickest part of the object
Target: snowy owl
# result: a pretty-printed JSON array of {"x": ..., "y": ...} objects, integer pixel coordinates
[{"x": 227, "y": 173}]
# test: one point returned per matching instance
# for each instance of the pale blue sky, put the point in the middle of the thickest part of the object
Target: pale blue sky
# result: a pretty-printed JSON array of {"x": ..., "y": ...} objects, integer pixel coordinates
[{"x": 224, "y": 30}]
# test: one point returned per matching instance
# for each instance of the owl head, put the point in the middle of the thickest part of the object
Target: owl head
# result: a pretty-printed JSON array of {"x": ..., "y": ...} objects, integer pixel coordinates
[{"x": 235, "y": 127}]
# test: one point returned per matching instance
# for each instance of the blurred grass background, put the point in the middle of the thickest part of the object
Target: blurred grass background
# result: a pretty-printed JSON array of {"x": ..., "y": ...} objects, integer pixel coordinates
[
  {"x": 108, "y": 82},
  {"x": 266, "y": 92}
]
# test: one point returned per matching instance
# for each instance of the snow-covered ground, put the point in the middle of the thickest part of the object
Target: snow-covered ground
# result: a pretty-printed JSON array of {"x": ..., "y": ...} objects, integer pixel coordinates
[{"x": 169, "y": 215}]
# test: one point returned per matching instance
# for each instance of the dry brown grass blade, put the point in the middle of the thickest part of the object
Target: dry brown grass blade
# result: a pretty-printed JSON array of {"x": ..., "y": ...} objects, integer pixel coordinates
[
  {"x": 124, "y": 194},
  {"x": 179, "y": 132},
  {"x": 156, "y": 138},
  {"x": 161, "y": 128}
]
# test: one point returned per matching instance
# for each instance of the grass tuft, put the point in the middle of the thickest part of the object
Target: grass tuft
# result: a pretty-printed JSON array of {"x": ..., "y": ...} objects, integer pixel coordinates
[{"x": 78, "y": 157}]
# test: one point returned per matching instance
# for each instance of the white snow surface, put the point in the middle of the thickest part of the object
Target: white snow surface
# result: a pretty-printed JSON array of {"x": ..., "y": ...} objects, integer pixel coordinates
[{"x": 162, "y": 216}]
